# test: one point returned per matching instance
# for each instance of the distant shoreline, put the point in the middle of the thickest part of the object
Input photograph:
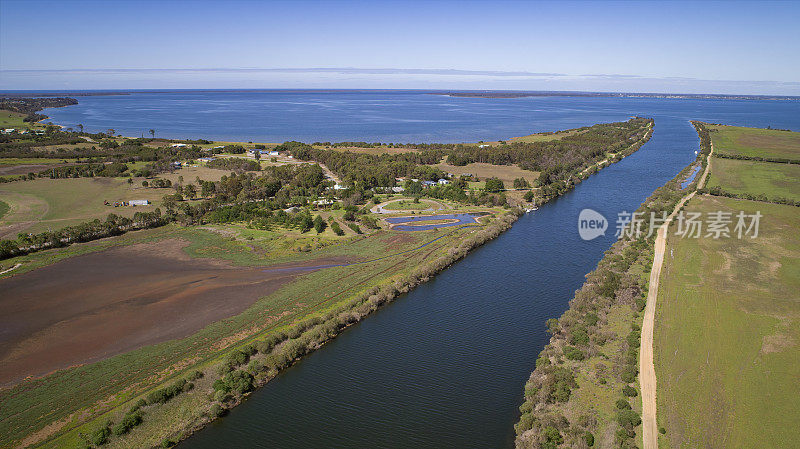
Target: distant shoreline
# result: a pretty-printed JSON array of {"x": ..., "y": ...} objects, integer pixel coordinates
[{"x": 449, "y": 93}]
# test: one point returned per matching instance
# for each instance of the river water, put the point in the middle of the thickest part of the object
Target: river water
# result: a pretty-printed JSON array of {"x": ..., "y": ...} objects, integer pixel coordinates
[{"x": 445, "y": 365}]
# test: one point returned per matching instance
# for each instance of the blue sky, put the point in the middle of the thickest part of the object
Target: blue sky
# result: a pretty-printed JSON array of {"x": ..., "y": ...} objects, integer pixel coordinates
[{"x": 688, "y": 47}]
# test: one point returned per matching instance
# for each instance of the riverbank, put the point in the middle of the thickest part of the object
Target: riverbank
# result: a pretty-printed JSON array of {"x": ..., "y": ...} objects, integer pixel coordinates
[{"x": 581, "y": 392}]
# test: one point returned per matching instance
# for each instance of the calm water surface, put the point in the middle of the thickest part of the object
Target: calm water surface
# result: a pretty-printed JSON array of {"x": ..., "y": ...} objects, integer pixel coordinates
[{"x": 443, "y": 366}]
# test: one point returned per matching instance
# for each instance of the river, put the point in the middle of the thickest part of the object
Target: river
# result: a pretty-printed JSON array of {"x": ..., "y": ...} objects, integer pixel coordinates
[{"x": 445, "y": 365}]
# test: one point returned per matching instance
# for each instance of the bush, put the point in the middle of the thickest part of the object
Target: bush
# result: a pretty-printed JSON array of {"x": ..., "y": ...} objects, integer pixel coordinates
[
  {"x": 629, "y": 374},
  {"x": 165, "y": 394},
  {"x": 217, "y": 411},
  {"x": 628, "y": 418},
  {"x": 100, "y": 436},
  {"x": 167, "y": 442},
  {"x": 589, "y": 438},
  {"x": 629, "y": 391},
  {"x": 573, "y": 353},
  {"x": 128, "y": 422},
  {"x": 579, "y": 336},
  {"x": 552, "y": 438},
  {"x": 336, "y": 228},
  {"x": 662, "y": 430},
  {"x": 622, "y": 404}
]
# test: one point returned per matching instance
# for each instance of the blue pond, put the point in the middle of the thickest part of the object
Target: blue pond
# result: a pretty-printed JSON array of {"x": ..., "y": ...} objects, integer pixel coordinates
[
  {"x": 462, "y": 219},
  {"x": 691, "y": 177}
]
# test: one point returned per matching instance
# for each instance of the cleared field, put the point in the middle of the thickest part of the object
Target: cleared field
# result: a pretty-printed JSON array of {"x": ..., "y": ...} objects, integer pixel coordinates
[
  {"x": 94, "y": 306},
  {"x": 506, "y": 173},
  {"x": 376, "y": 150},
  {"x": 48, "y": 204},
  {"x": 752, "y": 177},
  {"x": 766, "y": 143},
  {"x": 539, "y": 137},
  {"x": 727, "y": 333},
  {"x": 9, "y": 119}
]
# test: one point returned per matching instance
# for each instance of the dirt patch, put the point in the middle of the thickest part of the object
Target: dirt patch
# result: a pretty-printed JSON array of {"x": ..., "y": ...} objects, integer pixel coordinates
[
  {"x": 91, "y": 307},
  {"x": 24, "y": 169}
]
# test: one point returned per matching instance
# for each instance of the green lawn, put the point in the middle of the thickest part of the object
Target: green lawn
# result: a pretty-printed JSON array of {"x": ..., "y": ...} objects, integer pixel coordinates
[
  {"x": 751, "y": 177},
  {"x": 756, "y": 142},
  {"x": 4, "y": 208},
  {"x": 410, "y": 205},
  {"x": 727, "y": 333}
]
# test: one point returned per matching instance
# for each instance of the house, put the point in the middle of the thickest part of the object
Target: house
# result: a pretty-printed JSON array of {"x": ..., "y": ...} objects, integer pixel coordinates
[
  {"x": 176, "y": 165},
  {"x": 205, "y": 159},
  {"x": 274, "y": 153},
  {"x": 339, "y": 187},
  {"x": 428, "y": 183},
  {"x": 398, "y": 189},
  {"x": 9, "y": 130},
  {"x": 178, "y": 145},
  {"x": 138, "y": 202},
  {"x": 483, "y": 146},
  {"x": 443, "y": 182},
  {"x": 323, "y": 202},
  {"x": 218, "y": 147}
]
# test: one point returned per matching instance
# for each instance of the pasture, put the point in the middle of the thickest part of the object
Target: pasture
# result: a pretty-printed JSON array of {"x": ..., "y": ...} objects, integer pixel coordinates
[
  {"x": 506, "y": 173},
  {"x": 48, "y": 204},
  {"x": 753, "y": 177},
  {"x": 755, "y": 142},
  {"x": 728, "y": 331}
]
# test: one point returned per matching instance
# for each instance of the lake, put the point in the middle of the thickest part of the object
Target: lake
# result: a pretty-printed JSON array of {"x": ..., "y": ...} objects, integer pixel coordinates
[{"x": 444, "y": 365}]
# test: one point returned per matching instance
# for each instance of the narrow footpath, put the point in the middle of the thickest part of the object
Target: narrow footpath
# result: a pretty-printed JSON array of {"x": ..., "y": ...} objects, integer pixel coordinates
[{"x": 647, "y": 372}]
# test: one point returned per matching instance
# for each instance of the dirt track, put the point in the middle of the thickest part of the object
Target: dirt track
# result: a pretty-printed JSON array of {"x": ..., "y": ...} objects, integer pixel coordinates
[
  {"x": 647, "y": 372},
  {"x": 91, "y": 307}
]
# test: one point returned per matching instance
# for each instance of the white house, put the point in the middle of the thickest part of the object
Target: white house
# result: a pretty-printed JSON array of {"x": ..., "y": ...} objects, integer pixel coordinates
[
  {"x": 443, "y": 182},
  {"x": 178, "y": 145},
  {"x": 138, "y": 202},
  {"x": 483, "y": 146},
  {"x": 205, "y": 159},
  {"x": 9, "y": 130},
  {"x": 339, "y": 187},
  {"x": 274, "y": 153}
]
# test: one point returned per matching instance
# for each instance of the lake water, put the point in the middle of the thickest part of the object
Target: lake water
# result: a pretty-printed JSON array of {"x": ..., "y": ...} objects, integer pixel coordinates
[{"x": 445, "y": 365}]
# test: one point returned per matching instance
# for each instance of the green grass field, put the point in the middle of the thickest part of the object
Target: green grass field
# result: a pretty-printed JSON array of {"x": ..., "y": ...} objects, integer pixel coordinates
[
  {"x": 4, "y": 208},
  {"x": 727, "y": 334},
  {"x": 751, "y": 177},
  {"x": 410, "y": 205},
  {"x": 765, "y": 143},
  {"x": 44, "y": 203},
  {"x": 10, "y": 119}
]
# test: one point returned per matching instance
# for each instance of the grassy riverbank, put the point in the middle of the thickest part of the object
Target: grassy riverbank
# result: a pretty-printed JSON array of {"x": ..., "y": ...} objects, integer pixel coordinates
[{"x": 584, "y": 390}]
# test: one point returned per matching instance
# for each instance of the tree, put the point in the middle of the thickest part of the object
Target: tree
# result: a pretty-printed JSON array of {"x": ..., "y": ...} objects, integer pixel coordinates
[
  {"x": 521, "y": 183},
  {"x": 257, "y": 155},
  {"x": 145, "y": 183},
  {"x": 494, "y": 185},
  {"x": 319, "y": 224},
  {"x": 130, "y": 181},
  {"x": 153, "y": 133},
  {"x": 80, "y": 127},
  {"x": 190, "y": 191},
  {"x": 111, "y": 132}
]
